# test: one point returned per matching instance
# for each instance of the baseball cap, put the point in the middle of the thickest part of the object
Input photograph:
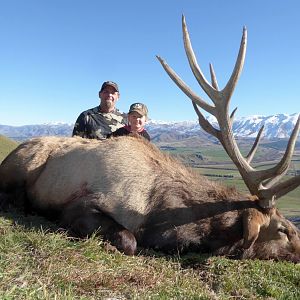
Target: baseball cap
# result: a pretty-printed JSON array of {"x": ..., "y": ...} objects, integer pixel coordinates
[
  {"x": 139, "y": 108},
  {"x": 109, "y": 83}
]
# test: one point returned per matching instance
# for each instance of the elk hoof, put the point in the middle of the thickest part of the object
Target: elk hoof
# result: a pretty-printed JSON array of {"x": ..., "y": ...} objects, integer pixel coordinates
[{"x": 126, "y": 242}]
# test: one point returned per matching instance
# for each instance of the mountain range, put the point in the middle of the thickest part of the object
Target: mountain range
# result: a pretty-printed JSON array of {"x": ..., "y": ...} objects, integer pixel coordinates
[{"x": 275, "y": 127}]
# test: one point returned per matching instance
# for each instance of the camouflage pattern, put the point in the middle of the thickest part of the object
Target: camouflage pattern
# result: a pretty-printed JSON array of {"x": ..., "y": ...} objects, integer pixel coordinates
[
  {"x": 93, "y": 124},
  {"x": 140, "y": 108}
]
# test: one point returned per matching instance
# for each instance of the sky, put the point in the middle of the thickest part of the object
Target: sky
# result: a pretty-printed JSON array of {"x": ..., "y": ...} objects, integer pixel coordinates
[{"x": 55, "y": 55}]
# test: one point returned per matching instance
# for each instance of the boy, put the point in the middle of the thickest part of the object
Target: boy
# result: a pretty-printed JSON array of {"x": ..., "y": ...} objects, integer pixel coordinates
[{"x": 137, "y": 118}]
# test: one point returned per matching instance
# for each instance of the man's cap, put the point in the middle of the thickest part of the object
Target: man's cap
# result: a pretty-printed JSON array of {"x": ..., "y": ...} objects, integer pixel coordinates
[
  {"x": 139, "y": 108},
  {"x": 109, "y": 83}
]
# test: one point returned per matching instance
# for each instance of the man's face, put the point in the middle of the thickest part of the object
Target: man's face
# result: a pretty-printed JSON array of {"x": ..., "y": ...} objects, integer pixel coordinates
[{"x": 108, "y": 96}]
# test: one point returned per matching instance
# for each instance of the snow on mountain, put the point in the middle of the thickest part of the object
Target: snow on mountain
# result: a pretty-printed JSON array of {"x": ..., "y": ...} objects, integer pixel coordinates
[
  {"x": 29, "y": 131},
  {"x": 275, "y": 126}
]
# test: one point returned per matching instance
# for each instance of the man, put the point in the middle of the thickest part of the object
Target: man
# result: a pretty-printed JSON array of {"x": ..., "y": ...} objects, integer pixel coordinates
[{"x": 102, "y": 120}]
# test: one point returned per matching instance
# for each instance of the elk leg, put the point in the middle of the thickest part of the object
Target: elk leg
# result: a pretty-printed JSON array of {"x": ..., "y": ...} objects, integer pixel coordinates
[
  {"x": 83, "y": 218},
  {"x": 15, "y": 198},
  {"x": 5, "y": 200}
]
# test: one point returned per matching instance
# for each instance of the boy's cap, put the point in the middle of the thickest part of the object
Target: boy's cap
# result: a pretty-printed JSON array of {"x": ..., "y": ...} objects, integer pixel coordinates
[
  {"x": 139, "y": 108},
  {"x": 109, "y": 83}
]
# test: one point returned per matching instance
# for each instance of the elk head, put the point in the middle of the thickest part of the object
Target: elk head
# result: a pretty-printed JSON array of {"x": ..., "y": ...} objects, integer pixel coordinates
[{"x": 265, "y": 185}]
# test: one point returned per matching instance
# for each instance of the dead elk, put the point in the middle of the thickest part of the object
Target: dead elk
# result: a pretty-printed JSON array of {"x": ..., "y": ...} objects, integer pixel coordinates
[{"x": 133, "y": 194}]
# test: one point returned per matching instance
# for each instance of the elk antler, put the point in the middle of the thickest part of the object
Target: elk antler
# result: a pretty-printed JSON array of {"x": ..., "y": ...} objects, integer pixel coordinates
[{"x": 262, "y": 183}]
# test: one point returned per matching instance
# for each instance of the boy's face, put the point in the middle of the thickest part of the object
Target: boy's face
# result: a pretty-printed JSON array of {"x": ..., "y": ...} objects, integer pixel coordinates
[{"x": 136, "y": 121}]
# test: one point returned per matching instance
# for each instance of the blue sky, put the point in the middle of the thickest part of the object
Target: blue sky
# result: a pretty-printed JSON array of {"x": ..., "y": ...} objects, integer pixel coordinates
[{"x": 54, "y": 55}]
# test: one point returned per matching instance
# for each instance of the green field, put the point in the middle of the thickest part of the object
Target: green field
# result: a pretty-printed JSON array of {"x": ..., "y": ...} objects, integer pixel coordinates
[{"x": 216, "y": 162}]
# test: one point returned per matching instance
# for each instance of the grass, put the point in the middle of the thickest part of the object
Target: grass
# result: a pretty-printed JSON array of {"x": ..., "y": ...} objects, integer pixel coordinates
[
  {"x": 39, "y": 262},
  {"x": 6, "y": 146},
  {"x": 215, "y": 154}
]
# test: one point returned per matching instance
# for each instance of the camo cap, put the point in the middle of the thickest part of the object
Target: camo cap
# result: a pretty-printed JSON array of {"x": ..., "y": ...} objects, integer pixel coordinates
[
  {"x": 109, "y": 83},
  {"x": 139, "y": 108}
]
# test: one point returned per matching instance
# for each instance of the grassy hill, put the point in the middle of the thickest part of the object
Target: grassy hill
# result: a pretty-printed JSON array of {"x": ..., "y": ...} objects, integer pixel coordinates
[{"x": 6, "y": 146}]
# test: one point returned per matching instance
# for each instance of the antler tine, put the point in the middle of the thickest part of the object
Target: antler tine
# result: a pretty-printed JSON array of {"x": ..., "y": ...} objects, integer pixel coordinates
[
  {"x": 251, "y": 153},
  {"x": 214, "y": 81},
  {"x": 232, "y": 114},
  {"x": 273, "y": 175},
  {"x": 185, "y": 88},
  {"x": 280, "y": 189},
  {"x": 205, "y": 124},
  {"x": 213, "y": 94},
  {"x": 229, "y": 88},
  {"x": 284, "y": 163}
]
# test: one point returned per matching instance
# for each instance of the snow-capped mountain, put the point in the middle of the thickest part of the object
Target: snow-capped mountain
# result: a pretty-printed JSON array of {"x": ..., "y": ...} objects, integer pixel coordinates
[
  {"x": 276, "y": 126},
  {"x": 28, "y": 131}
]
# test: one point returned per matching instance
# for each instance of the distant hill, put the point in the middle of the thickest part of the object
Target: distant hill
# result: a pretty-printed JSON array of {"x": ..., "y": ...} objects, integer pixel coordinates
[
  {"x": 275, "y": 127},
  {"x": 20, "y": 133},
  {"x": 6, "y": 146}
]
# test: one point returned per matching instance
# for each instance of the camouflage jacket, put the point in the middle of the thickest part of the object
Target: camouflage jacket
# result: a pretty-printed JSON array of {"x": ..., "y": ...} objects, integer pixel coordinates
[{"x": 93, "y": 124}]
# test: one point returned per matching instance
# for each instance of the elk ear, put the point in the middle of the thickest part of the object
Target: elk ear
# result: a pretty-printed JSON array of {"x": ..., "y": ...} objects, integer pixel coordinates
[{"x": 252, "y": 222}]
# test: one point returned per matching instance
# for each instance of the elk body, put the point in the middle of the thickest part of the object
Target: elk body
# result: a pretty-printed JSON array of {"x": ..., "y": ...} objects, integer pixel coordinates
[{"x": 130, "y": 192}]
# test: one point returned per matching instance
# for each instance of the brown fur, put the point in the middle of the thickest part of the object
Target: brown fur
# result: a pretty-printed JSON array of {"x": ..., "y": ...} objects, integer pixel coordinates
[{"x": 131, "y": 193}]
